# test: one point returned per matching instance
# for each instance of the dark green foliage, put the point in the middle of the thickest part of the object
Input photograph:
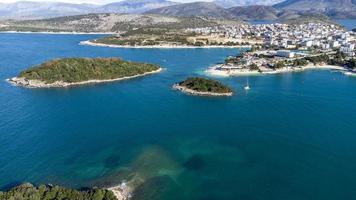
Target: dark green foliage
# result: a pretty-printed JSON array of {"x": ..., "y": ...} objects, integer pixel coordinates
[
  {"x": 318, "y": 59},
  {"x": 72, "y": 70},
  {"x": 29, "y": 192},
  {"x": 300, "y": 62},
  {"x": 352, "y": 63},
  {"x": 279, "y": 65},
  {"x": 205, "y": 85},
  {"x": 234, "y": 60},
  {"x": 253, "y": 67}
]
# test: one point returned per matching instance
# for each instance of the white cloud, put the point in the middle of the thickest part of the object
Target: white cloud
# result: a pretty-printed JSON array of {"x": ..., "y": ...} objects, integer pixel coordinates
[{"x": 87, "y": 1}]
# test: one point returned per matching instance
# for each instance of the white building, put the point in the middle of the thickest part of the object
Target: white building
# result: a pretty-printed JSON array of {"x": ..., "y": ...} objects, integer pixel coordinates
[{"x": 285, "y": 53}]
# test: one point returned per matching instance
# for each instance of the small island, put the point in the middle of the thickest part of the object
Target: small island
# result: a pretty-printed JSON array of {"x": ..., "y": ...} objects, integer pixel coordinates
[
  {"x": 203, "y": 87},
  {"x": 77, "y": 71}
]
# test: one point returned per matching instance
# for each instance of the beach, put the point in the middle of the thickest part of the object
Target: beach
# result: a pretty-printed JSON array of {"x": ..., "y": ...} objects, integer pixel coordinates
[{"x": 89, "y": 43}]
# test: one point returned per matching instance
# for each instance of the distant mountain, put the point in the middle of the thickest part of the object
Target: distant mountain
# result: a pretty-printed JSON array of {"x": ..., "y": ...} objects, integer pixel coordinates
[
  {"x": 234, "y": 3},
  {"x": 107, "y": 23},
  {"x": 35, "y": 10},
  {"x": 211, "y": 10},
  {"x": 254, "y": 12},
  {"x": 28, "y": 9},
  {"x": 320, "y": 5},
  {"x": 197, "y": 9},
  {"x": 133, "y": 6},
  {"x": 331, "y": 8}
]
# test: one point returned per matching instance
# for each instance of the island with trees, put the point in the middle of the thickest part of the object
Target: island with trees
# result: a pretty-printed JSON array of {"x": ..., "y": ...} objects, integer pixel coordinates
[
  {"x": 27, "y": 191},
  {"x": 203, "y": 87},
  {"x": 67, "y": 72}
]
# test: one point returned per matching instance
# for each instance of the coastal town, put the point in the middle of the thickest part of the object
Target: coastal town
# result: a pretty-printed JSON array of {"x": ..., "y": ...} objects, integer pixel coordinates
[{"x": 285, "y": 47}]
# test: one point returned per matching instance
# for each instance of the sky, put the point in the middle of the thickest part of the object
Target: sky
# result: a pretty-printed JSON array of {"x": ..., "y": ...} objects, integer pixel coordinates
[{"x": 88, "y": 1}]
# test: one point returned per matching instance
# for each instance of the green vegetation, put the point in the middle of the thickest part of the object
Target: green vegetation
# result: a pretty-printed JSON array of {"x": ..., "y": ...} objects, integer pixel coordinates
[
  {"x": 299, "y": 62},
  {"x": 205, "y": 85},
  {"x": 253, "y": 67},
  {"x": 29, "y": 192},
  {"x": 72, "y": 70},
  {"x": 318, "y": 59},
  {"x": 147, "y": 37},
  {"x": 351, "y": 63},
  {"x": 279, "y": 65},
  {"x": 235, "y": 60}
]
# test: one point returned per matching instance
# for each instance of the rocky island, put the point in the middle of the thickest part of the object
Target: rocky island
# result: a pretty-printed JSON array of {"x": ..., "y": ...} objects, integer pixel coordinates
[
  {"x": 77, "y": 71},
  {"x": 203, "y": 87}
]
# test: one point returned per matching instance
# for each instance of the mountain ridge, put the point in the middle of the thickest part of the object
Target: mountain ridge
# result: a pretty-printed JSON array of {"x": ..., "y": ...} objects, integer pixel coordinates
[
  {"x": 284, "y": 10},
  {"x": 38, "y": 10},
  {"x": 196, "y": 9}
]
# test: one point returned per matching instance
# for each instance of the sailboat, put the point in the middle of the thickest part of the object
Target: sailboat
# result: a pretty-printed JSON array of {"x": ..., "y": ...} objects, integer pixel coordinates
[{"x": 247, "y": 87}]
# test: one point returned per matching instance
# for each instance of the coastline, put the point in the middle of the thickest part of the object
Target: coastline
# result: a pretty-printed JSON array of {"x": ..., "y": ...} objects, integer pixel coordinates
[
  {"x": 89, "y": 43},
  {"x": 246, "y": 72},
  {"x": 59, "y": 84},
  {"x": 197, "y": 93},
  {"x": 121, "y": 192}
]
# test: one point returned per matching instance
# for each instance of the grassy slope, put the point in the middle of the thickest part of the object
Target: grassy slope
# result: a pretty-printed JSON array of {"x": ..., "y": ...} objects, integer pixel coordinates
[
  {"x": 205, "y": 85},
  {"x": 73, "y": 70}
]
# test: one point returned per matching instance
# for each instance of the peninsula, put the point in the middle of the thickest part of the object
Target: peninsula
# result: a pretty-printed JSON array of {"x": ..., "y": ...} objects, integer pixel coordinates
[
  {"x": 203, "y": 87},
  {"x": 77, "y": 71},
  {"x": 42, "y": 192}
]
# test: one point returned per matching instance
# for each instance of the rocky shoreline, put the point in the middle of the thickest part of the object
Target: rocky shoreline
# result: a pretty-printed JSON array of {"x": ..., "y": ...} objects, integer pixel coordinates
[
  {"x": 197, "y": 93},
  {"x": 20, "y": 81},
  {"x": 122, "y": 191},
  {"x": 90, "y": 43},
  {"x": 246, "y": 72}
]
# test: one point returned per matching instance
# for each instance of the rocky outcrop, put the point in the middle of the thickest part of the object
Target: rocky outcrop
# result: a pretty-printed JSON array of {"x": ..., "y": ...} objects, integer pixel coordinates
[{"x": 198, "y": 93}]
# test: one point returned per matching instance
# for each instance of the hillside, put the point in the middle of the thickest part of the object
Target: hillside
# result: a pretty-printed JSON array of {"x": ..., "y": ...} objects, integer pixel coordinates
[
  {"x": 33, "y": 10},
  {"x": 133, "y": 6},
  {"x": 38, "y": 10},
  {"x": 332, "y": 8},
  {"x": 254, "y": 12},
  {"x": 234, "y": 3},
  {"x": 105, "y": 23},
  {"x": 201, "y": 9},
  {"x": 321, "y": 5}
]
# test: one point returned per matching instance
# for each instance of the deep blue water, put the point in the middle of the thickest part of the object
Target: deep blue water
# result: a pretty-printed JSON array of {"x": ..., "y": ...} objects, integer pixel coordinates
[
  {"x": 348, "y": 23},
  {"x": 291, "y": 137}
]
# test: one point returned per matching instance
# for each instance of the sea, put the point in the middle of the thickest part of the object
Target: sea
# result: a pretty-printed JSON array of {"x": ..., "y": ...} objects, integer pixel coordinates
[{"x": 292, "y": 136}]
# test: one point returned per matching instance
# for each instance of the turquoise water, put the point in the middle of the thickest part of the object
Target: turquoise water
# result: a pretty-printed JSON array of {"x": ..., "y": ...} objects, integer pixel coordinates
[{"x": 291, "y": 137}]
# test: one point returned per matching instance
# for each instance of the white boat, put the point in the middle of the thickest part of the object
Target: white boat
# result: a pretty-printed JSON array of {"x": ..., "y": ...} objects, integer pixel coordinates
[{"x": 247, "y": 87}]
